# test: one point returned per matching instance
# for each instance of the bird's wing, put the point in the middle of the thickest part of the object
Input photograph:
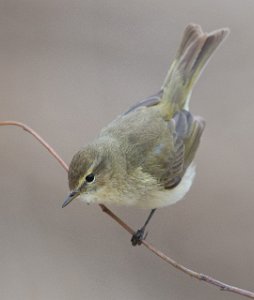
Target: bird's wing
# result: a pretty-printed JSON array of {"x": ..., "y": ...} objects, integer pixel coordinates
[
  {"x": 187, "y": 130},
  {"x": 148, "y": 102},
  {"x": 175, "y": 170},
  {"x": 170, "y": 158}
]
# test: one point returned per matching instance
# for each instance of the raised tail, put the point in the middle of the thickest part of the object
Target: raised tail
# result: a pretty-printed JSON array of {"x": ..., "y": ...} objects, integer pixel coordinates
[{"x": 195, "y": 50}]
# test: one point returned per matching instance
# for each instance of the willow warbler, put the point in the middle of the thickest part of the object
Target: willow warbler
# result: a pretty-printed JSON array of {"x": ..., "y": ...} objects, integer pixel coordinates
[{"x": 144, "y": 157}]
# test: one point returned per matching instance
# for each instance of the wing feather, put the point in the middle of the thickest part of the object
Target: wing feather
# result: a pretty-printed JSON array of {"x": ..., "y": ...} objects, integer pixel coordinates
[{"x": 187, "y": 133}]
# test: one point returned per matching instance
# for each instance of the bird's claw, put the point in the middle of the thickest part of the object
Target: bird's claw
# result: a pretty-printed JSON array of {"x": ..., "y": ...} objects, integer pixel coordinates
[{"x": 138, "y": 237}]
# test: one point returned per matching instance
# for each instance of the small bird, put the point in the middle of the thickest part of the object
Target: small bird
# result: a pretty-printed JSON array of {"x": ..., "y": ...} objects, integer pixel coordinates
[{"x": 144, "y": 157}]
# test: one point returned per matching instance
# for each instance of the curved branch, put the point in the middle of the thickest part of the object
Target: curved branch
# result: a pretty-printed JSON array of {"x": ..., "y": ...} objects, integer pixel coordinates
[
  {"x": 223, "y": 286},
  {"x": 38, "y": 138}
]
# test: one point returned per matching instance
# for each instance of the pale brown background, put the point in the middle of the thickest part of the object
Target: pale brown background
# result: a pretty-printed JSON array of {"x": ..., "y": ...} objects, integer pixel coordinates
[{"x": 69, "y": 67}]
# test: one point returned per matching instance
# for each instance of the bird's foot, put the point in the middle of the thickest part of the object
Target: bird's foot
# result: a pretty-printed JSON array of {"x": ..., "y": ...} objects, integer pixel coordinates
[{"x": 138, "y": 237}]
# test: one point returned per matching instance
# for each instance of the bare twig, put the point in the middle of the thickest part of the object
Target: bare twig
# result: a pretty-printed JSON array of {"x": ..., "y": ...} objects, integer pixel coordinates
[
  {"x": 199, "y": 276},
  {"x": 38, "y": 138},
  {"x": 223, "y": 286}
]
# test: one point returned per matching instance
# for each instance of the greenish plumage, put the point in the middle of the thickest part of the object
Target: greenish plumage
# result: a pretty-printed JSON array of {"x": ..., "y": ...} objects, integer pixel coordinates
[{"x": 144, "y": 157}]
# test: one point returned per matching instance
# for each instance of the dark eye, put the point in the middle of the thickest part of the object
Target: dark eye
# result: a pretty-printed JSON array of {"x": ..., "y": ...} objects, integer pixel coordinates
[{"x": 90, "y": 178}]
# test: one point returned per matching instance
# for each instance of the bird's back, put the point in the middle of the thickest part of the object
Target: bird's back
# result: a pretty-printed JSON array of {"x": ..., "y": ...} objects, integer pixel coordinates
[{"x": 138, "y": 132}]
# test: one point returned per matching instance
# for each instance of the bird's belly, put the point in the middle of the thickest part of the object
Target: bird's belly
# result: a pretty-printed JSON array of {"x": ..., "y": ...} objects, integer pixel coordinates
[{"x": 165, "y": 197}]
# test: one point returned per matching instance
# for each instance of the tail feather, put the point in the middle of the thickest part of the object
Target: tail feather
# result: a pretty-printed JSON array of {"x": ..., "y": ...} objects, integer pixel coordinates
[{"x": 195, "y": 50}]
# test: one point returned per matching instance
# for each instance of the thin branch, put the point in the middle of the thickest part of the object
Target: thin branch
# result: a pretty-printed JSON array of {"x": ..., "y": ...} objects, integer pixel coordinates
[
  {"x": 223, "y": 286},
  {"x": 199, "y": 276},
  {"x": 38, "y": 138}
]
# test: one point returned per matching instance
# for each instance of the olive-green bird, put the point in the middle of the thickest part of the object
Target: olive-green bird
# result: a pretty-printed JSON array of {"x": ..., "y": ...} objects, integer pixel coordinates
[{"x": 144, "y": 157}]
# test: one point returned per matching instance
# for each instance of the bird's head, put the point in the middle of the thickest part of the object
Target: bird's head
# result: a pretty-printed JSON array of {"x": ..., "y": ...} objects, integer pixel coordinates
[{"x": 90, "y": 169}]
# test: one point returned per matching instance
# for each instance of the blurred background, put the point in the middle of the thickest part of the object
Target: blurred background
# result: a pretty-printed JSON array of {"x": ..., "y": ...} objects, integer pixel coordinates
[{"x": 67, "y": 68}]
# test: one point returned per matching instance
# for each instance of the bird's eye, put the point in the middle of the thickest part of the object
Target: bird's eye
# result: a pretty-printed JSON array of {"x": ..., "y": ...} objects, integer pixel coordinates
[{"x": 90, "y": 178}]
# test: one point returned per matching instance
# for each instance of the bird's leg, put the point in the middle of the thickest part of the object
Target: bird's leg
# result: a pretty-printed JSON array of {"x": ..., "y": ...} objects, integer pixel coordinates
[{"x": 140, "y": 235}]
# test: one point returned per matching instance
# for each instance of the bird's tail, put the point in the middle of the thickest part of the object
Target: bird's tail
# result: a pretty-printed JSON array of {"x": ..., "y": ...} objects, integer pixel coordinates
[{"x": 195, "y": 50}]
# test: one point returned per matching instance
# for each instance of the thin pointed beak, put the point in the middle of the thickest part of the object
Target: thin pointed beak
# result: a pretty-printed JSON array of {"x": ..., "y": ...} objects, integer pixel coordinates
[{"x": 72, "y": 196}]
